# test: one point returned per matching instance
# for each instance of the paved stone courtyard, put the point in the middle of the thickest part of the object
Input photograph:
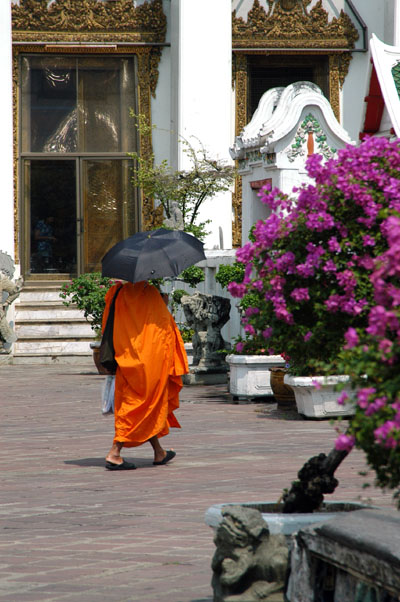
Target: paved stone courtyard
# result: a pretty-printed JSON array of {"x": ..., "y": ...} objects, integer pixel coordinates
[{"x": 70, "y": 530}]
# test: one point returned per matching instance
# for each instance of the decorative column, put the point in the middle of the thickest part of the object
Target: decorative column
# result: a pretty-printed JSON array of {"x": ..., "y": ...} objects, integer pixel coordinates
[
  {"x": 6, "y": 139},
  {"x": 201, "y": 50}
]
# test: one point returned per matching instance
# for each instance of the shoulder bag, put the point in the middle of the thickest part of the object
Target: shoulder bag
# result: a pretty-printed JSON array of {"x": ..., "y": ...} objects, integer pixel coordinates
[{"x": 107, "y": 352}]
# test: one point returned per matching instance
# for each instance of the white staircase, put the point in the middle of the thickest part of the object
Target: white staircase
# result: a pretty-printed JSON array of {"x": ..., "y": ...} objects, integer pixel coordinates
[{"x": 48, "y": 332}]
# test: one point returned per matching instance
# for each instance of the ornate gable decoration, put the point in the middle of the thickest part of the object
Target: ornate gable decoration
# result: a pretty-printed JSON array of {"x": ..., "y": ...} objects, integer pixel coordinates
[
  {"x": 146, "y": 23},
  {"x": 287, "y": 24}
]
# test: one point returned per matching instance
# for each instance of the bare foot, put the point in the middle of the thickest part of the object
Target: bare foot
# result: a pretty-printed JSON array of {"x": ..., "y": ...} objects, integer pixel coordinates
[
  {"x": 114, "y": 455},
  {"x": 159, "y": 455},
  {"x": 114, "y": 459}
]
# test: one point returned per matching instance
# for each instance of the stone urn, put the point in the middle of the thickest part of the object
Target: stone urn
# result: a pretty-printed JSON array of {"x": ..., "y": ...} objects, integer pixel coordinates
[
  {"x": 250, "y": 375},
  {"x": 286, "y": 524},
  {"x": 316, "y": 396},
  {"x": 252, "y": 542}
]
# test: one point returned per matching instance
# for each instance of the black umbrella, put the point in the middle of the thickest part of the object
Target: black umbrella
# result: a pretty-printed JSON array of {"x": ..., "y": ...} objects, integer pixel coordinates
[{"x": 150, "y": 255}]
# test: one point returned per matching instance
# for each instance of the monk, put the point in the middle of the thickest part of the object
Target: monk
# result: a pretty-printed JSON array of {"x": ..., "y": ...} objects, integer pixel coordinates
[{"x": 151, "y": 359}]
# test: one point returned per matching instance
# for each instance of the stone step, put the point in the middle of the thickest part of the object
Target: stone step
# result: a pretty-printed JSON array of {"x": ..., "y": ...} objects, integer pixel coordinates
[
  {"x": 52, "y": 346},
  {"x": 56, "y": 329},
  {"x": 51, "y": 358},
  {"x": 47, "y": 330},
  {"x": 42, "y": 316},
  {"x": 33, "y": 296}
]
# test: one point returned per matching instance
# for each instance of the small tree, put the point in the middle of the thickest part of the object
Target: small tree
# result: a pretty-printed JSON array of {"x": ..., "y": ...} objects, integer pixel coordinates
[{"x": 186, "y": 188}]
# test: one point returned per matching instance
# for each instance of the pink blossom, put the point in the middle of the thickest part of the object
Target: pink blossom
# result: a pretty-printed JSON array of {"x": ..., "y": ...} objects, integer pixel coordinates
[
  {"x": 363, "y": 396},
  {"x": 300, "y": 294},
  {"x": 236, "y": 289},
  {"x": 316, "y": 384},
  {"x": 333, "y": 245},
  {"x": 368, "y": 241},
  {"x": 345, "y": 442},
  {"x": 249, "y": 329},
  {"x": 375, "y": 406},
  {"x": 330, "y": 266},
  {"x": 351, "y": 337},
  {"x": 307, "y": 336},
  {"x": 343, "y": 397},
  {"x": 239, "y": 347},
  {"x": 246, "y": 253},
  {"x": 385, "y": 345},
  {"x": 267, "y": 333}
]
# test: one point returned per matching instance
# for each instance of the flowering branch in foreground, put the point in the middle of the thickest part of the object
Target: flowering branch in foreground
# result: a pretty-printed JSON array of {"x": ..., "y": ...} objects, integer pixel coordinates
[{"x": 371, "y": 356}]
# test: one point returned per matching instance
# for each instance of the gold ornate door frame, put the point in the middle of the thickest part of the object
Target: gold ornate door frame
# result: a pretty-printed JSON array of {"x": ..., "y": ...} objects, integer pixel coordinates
[
  {"x": 287, "y": 28},
  {"x": 86, "y": 27}
]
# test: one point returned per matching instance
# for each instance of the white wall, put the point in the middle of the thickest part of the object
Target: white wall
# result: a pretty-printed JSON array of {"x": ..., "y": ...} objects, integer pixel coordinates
[
  {"x": 6, "y": 138},
  {"x": 201, "y": 75}
]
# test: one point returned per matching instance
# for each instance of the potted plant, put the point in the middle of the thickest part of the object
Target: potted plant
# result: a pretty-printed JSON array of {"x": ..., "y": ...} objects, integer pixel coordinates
[
  {"x": 250, "y": 362},
  {"x": 310, "y": 263},
  {"x": 87, "y": 292}
]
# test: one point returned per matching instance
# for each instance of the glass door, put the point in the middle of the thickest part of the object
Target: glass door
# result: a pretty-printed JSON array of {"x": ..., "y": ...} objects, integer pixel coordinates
[
  {"x": 50, "y": 189},
  {"x": 76, "y": 210},
  {"x": 75, "y": 136},
  {"x": 107, "y": 209}
]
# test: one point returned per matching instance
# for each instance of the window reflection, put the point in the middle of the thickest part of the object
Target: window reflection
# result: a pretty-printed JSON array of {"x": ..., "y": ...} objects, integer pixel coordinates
[{"x": 77, "y": 104}]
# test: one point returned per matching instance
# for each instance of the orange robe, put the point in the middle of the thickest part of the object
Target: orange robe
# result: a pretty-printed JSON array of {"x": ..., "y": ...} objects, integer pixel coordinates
[{"x": 151, "y": 359}]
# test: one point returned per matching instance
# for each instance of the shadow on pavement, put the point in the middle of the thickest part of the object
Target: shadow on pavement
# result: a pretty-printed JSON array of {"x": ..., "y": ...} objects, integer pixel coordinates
[{"x": 96, "y": 462}]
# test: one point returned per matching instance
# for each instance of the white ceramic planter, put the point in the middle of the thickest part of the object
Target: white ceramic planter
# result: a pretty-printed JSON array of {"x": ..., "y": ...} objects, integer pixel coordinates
[
  {"x": 320, "y": 401},
  {"x": 250, "y": 375}
]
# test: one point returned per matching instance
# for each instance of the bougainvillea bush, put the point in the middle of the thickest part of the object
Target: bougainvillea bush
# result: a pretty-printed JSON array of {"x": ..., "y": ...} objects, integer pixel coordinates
[
  {"x": 371, "y": 357},
  {"x": 311, "y": 261}
]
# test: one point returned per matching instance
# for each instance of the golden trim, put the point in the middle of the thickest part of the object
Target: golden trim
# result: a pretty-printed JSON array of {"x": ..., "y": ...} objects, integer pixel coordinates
[
  {"x": 112, "y": 18},
  {"x": 288, "y": 24},
  {"x": 241, "y": 88},
  {"x": 287, "y": 27},
  {"x": 67, "y": 25}
]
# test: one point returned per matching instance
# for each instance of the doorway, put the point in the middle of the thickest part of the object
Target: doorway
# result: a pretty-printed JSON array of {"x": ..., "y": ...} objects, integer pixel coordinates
[{"x": 76, "y": 209}]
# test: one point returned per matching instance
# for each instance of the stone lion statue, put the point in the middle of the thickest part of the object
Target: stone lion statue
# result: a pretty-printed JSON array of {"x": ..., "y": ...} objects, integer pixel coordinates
[
  {"x": 249, "y": 564},
  {"x": 9, "y": 291}
]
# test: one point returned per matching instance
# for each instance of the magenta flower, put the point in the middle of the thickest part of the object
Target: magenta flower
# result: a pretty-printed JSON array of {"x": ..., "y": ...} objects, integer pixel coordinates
[
  {"x": 300, "y": 294},
  {"x": 236, "y": 289},
  {"x": 343, "y": 397},
  {"x": 345, "y": 442},
  {"x": 351, "y": 337}
]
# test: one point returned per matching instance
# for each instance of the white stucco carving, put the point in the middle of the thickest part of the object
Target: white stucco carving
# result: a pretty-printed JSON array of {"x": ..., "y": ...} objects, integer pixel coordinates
[{"x": 289, "y": 125}]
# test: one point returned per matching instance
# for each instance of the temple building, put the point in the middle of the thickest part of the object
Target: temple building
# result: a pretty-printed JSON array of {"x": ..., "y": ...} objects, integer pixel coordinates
[{"x": 73, "y": 73}]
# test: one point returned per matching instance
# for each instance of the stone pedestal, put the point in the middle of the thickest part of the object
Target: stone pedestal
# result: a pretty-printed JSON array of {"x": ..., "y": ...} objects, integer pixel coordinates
[{"x": 355, "y": 556}]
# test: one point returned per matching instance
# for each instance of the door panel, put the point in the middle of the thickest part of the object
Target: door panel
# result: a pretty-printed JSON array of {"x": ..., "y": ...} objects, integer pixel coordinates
[
  {"x": 108, "y": 208},
  {"x": 75, "y": 210},
  {"x": 52, "y": 215}
]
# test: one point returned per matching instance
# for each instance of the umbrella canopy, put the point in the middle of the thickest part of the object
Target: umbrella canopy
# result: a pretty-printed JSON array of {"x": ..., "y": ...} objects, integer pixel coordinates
[{"x": 150, "y": 255}]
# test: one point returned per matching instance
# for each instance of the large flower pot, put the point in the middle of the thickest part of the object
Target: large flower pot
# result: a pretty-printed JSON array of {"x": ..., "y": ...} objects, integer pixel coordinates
[
  {"x": 286, "y": 524},
  {"x": 284, "y": 395},
  {"x": 250, "y": 375},
  {"x": 316, "y": 396}
]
